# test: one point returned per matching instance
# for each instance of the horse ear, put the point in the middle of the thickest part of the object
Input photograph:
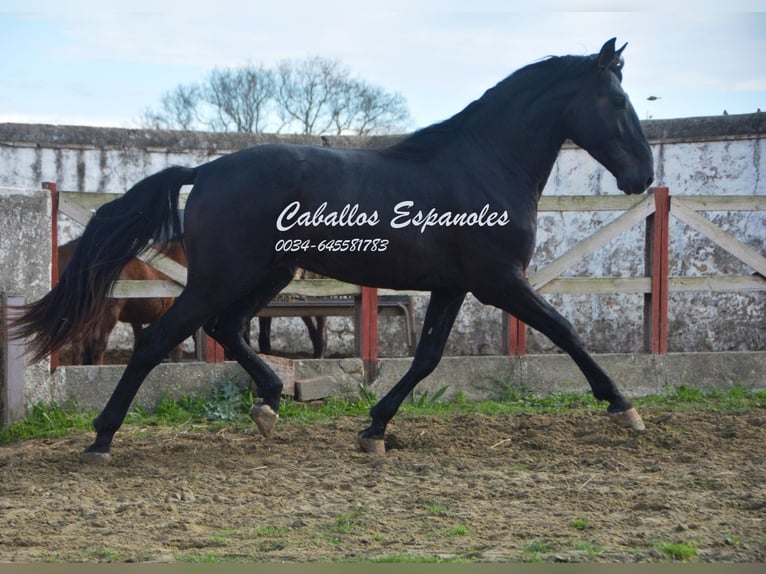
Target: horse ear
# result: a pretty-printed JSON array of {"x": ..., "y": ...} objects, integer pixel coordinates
[
  {"x": 618, "y": 53},
  {"x": 607, "y": 54}
]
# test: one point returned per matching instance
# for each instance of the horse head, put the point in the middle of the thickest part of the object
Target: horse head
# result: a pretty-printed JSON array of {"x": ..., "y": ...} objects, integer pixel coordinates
[{"x": 601, "y": 120}]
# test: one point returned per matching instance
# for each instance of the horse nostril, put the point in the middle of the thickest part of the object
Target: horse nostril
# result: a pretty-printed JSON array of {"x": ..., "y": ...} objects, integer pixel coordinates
[{"x": 650, "y": 181}]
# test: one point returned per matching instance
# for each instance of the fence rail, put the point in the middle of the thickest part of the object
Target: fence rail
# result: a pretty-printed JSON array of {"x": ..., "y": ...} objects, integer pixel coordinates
[
  {"x": 654, "y": 209},
  {"x": 656, "y": 284}
]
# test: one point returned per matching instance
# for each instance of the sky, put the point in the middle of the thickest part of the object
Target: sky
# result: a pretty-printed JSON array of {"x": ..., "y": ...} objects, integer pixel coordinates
[{"x": 103, "y": 63}]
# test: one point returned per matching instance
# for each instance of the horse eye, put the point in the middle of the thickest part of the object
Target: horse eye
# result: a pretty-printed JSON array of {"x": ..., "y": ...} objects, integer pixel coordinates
[{"x": 620, "y": 102}]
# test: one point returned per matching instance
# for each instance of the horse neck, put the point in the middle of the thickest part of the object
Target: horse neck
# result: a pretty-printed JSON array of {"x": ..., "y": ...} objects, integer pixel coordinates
[{"x": 525, "y": 130}]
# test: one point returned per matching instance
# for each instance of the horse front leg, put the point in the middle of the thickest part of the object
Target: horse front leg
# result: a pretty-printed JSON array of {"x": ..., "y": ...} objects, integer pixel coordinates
[
  {"x": 517, "y": 297},
  {"x": 440, "y": 316}
]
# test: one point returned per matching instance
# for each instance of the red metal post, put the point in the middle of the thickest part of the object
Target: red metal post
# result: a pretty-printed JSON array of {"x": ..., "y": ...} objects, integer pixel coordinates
[
  {"x": 515, "y": 334},
  {"x": 656, "y": 303},
  {"x": 517, "y": 337},
  {"x": 51, "y": 187},
  {"x": 370, "y": 332},
  {"x": 213, "y": 350}
]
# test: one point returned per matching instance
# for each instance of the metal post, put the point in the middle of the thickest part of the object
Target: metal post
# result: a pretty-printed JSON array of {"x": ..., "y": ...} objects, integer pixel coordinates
[
  {"x": 213, "y": 350},
  {"x": 514, "y": 335},
  {"x": 53, "y": 189},
  {"x": 370, "y": 332}
]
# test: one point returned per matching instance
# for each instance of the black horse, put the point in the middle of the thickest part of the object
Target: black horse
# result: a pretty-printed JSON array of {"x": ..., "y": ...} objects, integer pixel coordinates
[{"x": 450, "y": 209}]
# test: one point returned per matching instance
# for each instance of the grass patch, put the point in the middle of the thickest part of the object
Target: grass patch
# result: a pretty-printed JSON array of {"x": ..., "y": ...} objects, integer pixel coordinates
[
  {"x": 579, "y": 524},
  {"x": 436, "y": 509},
  {"x": 458, "y": 530},
  {"x": 410, "y": 559},
  {"x": 539, "y": 546},
  {"x": 350, "y": 522},
  {"x": 678, "y": 551},
  {"x": 49, "y": 421},
  {"x": 230, "y": 405},
  {"x": 212, "y": 558},
  {"x": 587, "y": 548}
]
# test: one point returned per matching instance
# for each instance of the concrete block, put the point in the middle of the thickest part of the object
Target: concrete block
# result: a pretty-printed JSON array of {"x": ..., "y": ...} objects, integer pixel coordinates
[{"x": 315, "y": 388}]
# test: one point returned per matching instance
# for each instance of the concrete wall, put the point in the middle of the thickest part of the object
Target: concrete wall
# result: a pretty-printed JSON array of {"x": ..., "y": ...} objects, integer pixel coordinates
[
  {"x": 25, "y": 244},
  {"x": 718, "y": 155}
]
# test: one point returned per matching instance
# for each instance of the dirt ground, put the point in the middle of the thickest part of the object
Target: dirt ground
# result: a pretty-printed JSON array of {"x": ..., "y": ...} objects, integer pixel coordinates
[{"x": 563, "y": 487}]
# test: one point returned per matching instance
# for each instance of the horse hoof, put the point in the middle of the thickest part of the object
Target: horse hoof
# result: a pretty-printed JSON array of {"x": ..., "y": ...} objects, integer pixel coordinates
[
  {"x": 629, "y": 418},
  {"x": 264, "y": 418},
  {"x": 96, "y": 458},
  {"x": 372, "y": 445}
]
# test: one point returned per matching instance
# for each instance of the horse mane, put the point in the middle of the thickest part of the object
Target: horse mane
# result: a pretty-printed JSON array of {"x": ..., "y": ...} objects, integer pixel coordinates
[{"x": 531, "y": 79}]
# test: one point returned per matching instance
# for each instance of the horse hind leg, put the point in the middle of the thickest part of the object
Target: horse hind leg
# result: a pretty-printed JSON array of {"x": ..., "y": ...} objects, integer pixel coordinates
[
  {"x": 228, "y": 328},
  {"x": 183, "y": 318},
  {"x": 176, "y": 355},
  {"x": 440, "y": 316},
  {"x": 517, "y": 297}
]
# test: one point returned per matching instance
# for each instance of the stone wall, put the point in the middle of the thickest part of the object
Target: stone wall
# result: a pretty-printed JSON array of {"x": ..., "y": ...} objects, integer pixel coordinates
[{"x": 716, "y": 155}]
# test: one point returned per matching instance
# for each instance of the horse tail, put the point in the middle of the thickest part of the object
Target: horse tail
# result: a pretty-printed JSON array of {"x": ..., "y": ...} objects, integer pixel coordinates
[{"x": 119, "y": 230}]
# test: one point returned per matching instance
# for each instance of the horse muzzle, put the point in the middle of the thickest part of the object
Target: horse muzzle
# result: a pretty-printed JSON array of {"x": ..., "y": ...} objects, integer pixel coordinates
[{"x": 632, "y": 185}]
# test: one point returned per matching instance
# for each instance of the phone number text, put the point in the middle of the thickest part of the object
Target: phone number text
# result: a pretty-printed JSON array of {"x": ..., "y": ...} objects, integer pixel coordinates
[{"x": 332, "y": 245}]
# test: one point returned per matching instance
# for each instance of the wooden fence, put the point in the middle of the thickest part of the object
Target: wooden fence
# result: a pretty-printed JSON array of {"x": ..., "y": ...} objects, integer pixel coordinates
[{"x": 654, "y": 209}]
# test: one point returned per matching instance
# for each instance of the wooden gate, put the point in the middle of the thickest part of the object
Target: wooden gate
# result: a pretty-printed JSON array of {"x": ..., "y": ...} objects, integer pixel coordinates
[{"x": 655, "y": 210}]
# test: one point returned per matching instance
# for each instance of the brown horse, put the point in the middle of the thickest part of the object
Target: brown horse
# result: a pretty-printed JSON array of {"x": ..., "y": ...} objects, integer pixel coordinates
[{"x": 91, "y": 347}]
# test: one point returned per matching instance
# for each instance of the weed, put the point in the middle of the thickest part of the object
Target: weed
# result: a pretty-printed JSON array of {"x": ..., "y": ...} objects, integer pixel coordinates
[
  {"x": 579, "y": 524},
  {"x": 210, "y": 558},
  {"x": 539, "y": 546},
  {"x": 436, "y": 508},
  {"x": 271, "y": 531},
  {"x": 410, "y": 559},
  {"x": 228, "y": 402},
  {"x": 53, "y": 420},
  {"x": 424, "y": 400},
  {"x": 588, "y": 548},
  {"x": 105, "y": 555},
  {"x": 349, "y": 522},
  {"x": 682, "y": 551},
  {"x": 367, "y": 395},
  {"x": 458, "y": 530}
]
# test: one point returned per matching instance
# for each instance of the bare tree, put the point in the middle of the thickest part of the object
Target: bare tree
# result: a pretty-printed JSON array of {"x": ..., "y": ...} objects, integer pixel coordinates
[
  {"x": 311, "y": 96},
  {"x": 239, "y": 98},
  {"x": 370, "y": 109},
  {"x": 178, "y": 110}
]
